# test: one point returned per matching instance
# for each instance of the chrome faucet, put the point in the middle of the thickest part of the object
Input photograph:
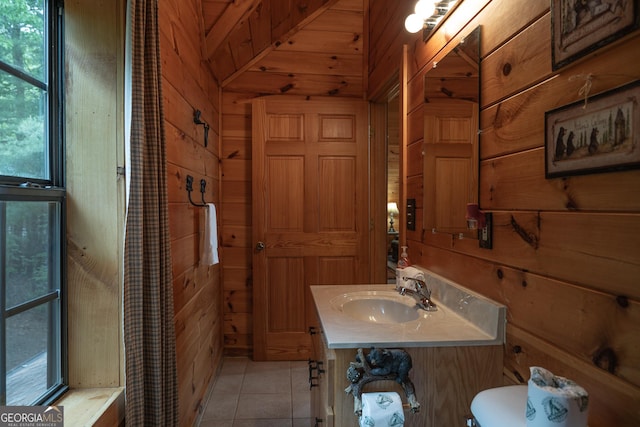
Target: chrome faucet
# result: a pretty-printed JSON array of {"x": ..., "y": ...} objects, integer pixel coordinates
[{"x": 422, "y": 294}]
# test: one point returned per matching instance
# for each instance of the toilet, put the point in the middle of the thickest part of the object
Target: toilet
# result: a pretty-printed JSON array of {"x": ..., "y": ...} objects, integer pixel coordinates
[{"x": 500, "y": 407}]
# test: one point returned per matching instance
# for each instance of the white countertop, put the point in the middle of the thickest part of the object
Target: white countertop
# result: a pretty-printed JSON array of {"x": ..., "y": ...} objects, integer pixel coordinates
[{"x": 446, "y": 327}]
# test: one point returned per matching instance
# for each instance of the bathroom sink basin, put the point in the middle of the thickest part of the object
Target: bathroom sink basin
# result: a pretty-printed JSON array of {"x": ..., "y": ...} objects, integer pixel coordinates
[
  {"x": 378, "y": 310},
  {"x": 377, "y": 307},
  {"x": 364, "y": 315}
]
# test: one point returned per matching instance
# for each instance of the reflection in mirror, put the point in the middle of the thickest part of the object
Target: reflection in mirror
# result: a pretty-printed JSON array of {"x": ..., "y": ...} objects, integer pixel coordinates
[
  {"x": 393, "y": 180},
  {"x": 451, "y": 159}
]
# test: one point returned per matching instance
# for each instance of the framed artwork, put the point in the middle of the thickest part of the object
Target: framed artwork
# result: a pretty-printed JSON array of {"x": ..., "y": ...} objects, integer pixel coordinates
[
  {"x": 599, "y": 136},
  {"x": 582, "y": 26}
]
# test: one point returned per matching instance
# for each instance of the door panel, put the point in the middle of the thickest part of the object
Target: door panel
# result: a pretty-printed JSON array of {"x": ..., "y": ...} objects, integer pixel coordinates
[
  {"x": 288, "y": 273},
  {"x": 449, "y": 217},
  {"x": 310, "y": 209},
  {"x": 286, "y": 207},
  {"x": 336, "y": 178},
  {"x": 337, "y": 270}
]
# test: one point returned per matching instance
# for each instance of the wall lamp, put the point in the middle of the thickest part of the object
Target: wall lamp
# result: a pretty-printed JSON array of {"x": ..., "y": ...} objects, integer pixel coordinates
[
  {"x": 392, "y": 209},
  {"x": 427, "y": 15}
]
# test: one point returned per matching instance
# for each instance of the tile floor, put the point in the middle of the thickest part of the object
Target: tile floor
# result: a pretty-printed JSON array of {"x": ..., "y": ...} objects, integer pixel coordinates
[{"x": 259, "y": 394}]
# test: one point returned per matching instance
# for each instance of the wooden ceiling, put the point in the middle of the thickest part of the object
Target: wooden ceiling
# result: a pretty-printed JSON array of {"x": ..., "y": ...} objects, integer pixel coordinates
[{"x": 300, "y": 47}]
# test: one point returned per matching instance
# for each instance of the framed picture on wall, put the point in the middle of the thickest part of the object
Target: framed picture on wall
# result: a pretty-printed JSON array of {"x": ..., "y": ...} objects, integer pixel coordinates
[
  {"x": 582, "y": 26},
  {"x": 600, "y": 135}
]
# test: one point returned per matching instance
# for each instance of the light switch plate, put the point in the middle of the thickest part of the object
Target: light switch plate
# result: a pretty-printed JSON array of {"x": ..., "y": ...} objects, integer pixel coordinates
[
  {"x": 411, "y": 214},
  {"x": 485, "y": 235}
]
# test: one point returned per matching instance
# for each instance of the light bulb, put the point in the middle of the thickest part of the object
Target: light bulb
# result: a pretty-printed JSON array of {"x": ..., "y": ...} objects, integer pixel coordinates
[
  {"x": 425, "y": 8},
  {"x": 413, "y": 23}
]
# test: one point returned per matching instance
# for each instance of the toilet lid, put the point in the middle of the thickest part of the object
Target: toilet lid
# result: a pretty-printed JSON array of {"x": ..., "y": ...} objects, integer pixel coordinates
[{"x": 501, "y": 406}]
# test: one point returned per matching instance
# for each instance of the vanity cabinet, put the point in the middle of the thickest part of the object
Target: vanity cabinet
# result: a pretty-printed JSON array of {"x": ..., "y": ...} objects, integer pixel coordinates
[
  {"x": 446, "y": 379},
  {"x": 321, "y": 382},
  {"x": 456, "y": 351}
]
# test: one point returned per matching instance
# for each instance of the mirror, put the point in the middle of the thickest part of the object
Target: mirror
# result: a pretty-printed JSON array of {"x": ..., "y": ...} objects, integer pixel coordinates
[
  {"x": 451, "y": 141},
  {"x": 393, "y": 181}
]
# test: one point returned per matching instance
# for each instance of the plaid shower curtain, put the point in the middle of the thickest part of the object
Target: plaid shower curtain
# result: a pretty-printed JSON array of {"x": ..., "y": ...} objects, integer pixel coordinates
[{"x": 149, "y": 335}]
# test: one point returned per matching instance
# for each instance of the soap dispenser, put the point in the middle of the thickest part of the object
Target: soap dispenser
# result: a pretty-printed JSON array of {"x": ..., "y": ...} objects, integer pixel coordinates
[{"x": 403, "y": 261}]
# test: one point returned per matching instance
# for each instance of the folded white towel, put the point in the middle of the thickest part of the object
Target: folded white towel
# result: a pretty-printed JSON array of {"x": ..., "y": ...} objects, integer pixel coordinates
[
  {"x": 402, "y": 273},
  {"x": 209, "y": 236},
  {"x": 413, "y": 272}
]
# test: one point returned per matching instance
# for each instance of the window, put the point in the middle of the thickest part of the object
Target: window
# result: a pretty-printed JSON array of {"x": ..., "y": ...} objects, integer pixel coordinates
[{"x": 32, "y": 204}]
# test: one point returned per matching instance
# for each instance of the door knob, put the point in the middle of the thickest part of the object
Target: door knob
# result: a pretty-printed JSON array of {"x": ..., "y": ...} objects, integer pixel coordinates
[{"x": 260, "y": 246}]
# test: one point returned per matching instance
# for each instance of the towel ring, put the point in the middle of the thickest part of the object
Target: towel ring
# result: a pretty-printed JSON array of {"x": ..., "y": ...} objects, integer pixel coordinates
[{"x": 203, "y": 185}]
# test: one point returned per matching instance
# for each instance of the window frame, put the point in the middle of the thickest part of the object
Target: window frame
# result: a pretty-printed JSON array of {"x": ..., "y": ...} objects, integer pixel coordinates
[{"x": 49, "y": 189}]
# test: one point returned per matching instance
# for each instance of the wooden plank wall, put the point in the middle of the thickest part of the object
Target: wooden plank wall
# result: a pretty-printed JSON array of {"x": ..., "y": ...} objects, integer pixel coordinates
[
  {"x": 236, "y": 223},
  {"x": 188, "y": 85},
  {"x": 566, "y": 256}
]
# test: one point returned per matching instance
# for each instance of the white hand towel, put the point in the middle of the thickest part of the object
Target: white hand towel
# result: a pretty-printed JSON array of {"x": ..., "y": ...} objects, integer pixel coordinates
[
  {"x": 555, "y": 401},
  {"x": 402, "y": 273},
  {"x": 209, "y": 236}
]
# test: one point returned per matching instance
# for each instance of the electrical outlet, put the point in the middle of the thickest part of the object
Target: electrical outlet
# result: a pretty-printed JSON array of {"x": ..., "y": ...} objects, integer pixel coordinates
[{"x": 485, "y": 235}]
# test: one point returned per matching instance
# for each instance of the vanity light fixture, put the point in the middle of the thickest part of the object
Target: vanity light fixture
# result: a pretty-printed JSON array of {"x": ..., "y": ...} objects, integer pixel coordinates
[
  {"x": 392, "y": 209},
  {"x": 427, "y": 15}
]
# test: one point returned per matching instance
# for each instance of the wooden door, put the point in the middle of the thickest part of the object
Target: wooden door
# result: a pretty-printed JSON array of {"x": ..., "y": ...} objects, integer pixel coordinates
[
  {"x": 451, "y": 164},
  {"x": 310, "y": 213}
]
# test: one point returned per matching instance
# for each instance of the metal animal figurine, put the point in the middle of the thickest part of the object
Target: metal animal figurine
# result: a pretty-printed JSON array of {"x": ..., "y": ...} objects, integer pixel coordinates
[{"x": 380, "y": 364}]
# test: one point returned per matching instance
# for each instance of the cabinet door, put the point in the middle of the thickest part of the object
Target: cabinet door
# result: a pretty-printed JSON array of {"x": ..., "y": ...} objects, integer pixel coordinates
[
  {"x": 315, "y": 330},
  {"x": 327, "y": 357},
  {"x": 323, "y": 377},
  {"x": 446, "y": 379}
]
